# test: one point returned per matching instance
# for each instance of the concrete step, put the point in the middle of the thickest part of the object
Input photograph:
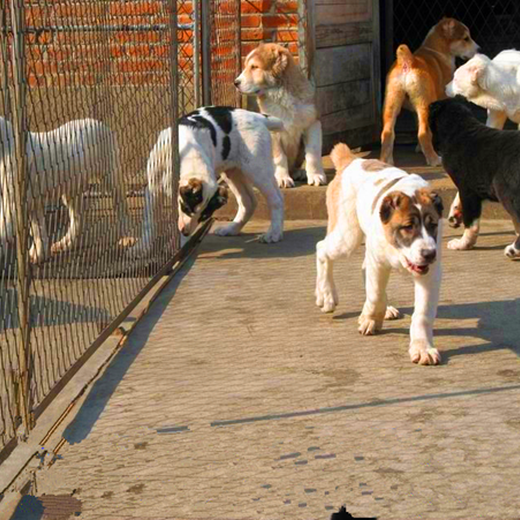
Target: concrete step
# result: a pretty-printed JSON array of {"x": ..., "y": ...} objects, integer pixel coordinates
[{"x": 308, "y": 202}]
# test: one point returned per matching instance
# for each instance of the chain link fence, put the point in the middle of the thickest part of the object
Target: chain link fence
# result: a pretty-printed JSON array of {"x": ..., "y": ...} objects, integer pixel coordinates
[{"x": 86, "y": 88}]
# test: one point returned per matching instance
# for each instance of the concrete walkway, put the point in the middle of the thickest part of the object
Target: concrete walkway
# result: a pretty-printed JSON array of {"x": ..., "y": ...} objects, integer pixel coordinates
[{"x": 235, "y": 398}]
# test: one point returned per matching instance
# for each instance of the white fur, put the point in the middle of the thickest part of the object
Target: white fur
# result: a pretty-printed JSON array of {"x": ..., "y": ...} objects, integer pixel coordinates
[
  {"x": 60, "y": 163},
  {"x": 494, "y": 85},
  {"x": 357, "y": 220},
  {"x": 300, "y": 119},
  {"x": 249, "y": 164}
]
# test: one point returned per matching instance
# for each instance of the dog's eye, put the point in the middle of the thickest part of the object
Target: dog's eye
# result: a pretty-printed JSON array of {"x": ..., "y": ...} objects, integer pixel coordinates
[
  {"x": 253, "y": 67},
  {"x": 408, "y": 228},
  {"x": 467, "y": 39}
]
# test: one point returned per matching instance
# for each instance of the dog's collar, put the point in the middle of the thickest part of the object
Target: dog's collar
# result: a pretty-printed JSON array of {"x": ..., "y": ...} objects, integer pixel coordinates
[{"x": 384, "y": 189}]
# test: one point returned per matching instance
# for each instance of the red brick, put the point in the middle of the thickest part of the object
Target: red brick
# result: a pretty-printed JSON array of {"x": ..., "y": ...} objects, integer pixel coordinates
[
  {"x": 251, "y": 20},
  {"x": 287, "y": 6},
  {"x": 125, "y": 8},
  {"x": 280, "y": 21},
  {"x": 142, "y": 50},
  {"x": 41, "y": 38},
  {"x": 185, "y": 8},
  {"x": 256, "y": 34},
  {"x": 141, "y": 65},
  {"x": 93, "y": 11},
  {"x": 247, "y": 47},
  {"x": 256, "y": 6},
  {"x": 286, "y": 36}
]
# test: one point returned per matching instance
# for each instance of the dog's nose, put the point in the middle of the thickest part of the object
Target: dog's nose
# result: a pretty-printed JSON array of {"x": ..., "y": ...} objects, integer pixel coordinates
[
  {"x": 428, "y": 254},
  {"x": 236, "y": 82},
  {"x": 185, "y": 231}
]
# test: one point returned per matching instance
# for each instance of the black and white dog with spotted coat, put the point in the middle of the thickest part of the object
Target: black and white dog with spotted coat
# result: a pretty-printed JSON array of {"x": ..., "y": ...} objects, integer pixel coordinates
[{"x": 215, "y": 141}]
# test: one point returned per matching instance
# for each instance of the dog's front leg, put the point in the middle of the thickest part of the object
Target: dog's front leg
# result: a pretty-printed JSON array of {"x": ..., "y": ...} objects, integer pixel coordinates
[
  {"x": 281, "y": 171},
  {"x": 427, "y": 289},
  {"x": 496, "y": 119},
  {"x": 377, "y": 275},
  {"x": 455, "y": 215},
  {"x": 313, "y": 148}
]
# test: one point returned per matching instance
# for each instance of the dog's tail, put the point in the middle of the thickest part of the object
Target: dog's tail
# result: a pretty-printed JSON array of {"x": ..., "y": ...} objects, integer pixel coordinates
[
  {"x": 341, "y": 156},
  {"x": 273, "y": 123},
  {"x": 404, "y": 56}
]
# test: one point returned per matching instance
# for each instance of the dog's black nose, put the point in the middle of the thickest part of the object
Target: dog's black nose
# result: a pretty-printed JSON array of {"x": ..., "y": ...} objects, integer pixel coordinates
[
  {"x": 428, "y": 254},
  {"x": 236, "y": 82}
]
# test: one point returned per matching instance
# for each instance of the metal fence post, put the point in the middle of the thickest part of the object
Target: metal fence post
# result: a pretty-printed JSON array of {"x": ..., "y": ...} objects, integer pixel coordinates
[
  {"x": 206, "y": 52},
  {"x": 238, "y": 39},
  {"x": 20, "y": 188},
  {"x": 174, "y": 110}
]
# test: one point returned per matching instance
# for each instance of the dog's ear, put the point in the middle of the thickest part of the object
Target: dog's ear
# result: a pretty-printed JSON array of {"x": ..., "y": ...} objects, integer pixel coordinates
[
  {"x": 390, "y": 203},
  {"x": 218, "y": 200},
  {"x": 191, "y": 196},
  {"x": 281, "y": 60},
  {"x": 472, "y": 73},
  {"x": 448, "y": 27},
  {"x": 437, "y": 203}
]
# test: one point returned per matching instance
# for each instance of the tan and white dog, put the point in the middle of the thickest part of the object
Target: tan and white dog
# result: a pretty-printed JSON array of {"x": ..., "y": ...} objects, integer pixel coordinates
[
  {"x": 400, "y": 220},
  {"x": 493, "y": 85},
  {"x": 416, "y": 80},
  {"x": 283, "y": 91}
]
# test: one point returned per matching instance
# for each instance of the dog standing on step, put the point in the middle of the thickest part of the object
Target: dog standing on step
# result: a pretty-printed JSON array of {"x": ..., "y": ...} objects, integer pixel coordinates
[
  {"x": 400, "y": 220},
  {"x": 283, "y": 91},
  {"x": 484, "y": 164},
  {"x": 416, "y": 80},
  {"x": 214, "y": 141}
]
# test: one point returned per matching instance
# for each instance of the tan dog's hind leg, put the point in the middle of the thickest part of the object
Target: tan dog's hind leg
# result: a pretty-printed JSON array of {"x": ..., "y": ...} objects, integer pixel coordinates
[
  {"x": 394, "y": 99},
  {"x": 425, "y": 137}
]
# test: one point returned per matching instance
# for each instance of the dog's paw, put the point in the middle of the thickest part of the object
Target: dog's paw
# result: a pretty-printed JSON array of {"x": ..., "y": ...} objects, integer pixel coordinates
[
  {"x": 392, "y": 313},
  {"x": 62, "y": 245},
  {"x": 459, "y": 244},
  {"x": 232, "y": 229},
  {"x": 512, "y": 252},
  {"x": 271, "y": 237},
  {"x": 316, "y": 179},
  {"x": 327, "y": 299},
  {"x": 285, "y": 182},
  {"x": 368, "y": 326},
  {"x": 423, "y": 354},
  {"x": 433, "y": 160}
]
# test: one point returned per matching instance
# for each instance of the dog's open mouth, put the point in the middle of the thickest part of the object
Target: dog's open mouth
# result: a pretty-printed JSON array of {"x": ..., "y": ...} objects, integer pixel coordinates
[{"x": 416, "y": 268}]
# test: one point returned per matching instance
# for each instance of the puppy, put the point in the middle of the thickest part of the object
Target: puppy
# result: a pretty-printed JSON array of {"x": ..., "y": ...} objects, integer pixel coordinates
[
  {"x": 215, "y": 141},
  {"x": 282, "y": 90},
  {"x": 400, "y": 220},
  {"x": 491, "y": 84},
  {"x": 61, "y": 163},
  {"x": 484, "y": 164},
  {"x": 415, "y": 80}
]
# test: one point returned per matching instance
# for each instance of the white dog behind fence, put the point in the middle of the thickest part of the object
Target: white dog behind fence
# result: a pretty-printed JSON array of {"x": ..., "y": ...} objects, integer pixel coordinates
[{"x": 61, "y": 163}]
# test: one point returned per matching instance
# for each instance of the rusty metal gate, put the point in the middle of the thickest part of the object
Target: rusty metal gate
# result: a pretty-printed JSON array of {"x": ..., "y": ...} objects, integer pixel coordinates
[{"x": 86, "y": 87}]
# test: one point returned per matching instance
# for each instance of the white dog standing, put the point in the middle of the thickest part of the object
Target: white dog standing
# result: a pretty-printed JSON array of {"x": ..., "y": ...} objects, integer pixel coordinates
[
  {"x": 400, "y": 219},
  {"x": 493, "y": 85},
  {"x": 214, "y": 141},
  {"x": 283, "y": 91},
  {"x": 60, "y": 163}
]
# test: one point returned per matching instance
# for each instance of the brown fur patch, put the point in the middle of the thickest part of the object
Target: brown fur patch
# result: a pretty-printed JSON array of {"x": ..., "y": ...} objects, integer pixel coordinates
[
  {"x": 373, "y": 165},
  {"x": 397, "y": 211},
  {"x": 333, "y": 198}
]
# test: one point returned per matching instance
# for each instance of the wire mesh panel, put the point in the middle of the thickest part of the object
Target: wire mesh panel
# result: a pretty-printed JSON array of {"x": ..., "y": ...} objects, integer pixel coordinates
[
  {"x": 495, "y": 26},
  {"x": 86, "y": 89}
]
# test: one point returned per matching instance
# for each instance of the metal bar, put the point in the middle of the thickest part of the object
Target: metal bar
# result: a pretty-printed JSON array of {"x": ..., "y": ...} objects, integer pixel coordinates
[
  {"x": 238, "y": 40},
  {"x": 196, "y": 53},
  {"x": 100, "y": 28},
  {"x": 206, "y": 52},
  {"x": 174, "y": 113},
  {"x": 305, "y": 39},
  {"x": 5, "y": 59},
  {"x": 20, "y": 188}
]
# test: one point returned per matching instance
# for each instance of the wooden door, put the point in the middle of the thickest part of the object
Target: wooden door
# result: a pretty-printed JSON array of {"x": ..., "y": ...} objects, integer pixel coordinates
[{"x": 346, "y": 70}]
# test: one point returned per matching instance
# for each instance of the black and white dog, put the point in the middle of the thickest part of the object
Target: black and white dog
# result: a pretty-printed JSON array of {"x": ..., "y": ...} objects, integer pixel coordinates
[
  {"x": 215, "y": 141},
  {"x": 484, "y": 164}
]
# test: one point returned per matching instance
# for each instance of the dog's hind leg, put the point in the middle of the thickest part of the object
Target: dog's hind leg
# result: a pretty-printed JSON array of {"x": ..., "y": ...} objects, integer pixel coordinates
[
  {"x": 455, "y": 215},
  {"x": 394, "y": 99},
  {"x": 246, "y": 201},
  {"x": 513, "y": 251},
  {"x": 40, "y": 247},
  {"x": 425, "y": 136},
  {"x": 471, "y": 211},
  {"x": 76, "y": 207}
]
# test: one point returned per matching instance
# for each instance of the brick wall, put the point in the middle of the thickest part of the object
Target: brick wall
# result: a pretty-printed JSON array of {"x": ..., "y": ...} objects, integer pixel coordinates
[{"x": 135, "y": 47}]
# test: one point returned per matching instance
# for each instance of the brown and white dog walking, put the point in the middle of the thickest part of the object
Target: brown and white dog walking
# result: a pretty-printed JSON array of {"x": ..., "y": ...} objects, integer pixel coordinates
[
  {"x": 416, "y": 80},
  {"x": 400, "y": 220}
]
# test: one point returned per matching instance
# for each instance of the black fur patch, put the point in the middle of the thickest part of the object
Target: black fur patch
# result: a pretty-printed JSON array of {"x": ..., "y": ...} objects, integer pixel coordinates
[
  {"x": 191, "y": 196},
  {"x": 223, "y": 117},
  {"x": 195, "y": 120},
  {"x": 483, "y": 162},
  {"x": 218, "y": 200},
  {"x": 226, "y": 147}
]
